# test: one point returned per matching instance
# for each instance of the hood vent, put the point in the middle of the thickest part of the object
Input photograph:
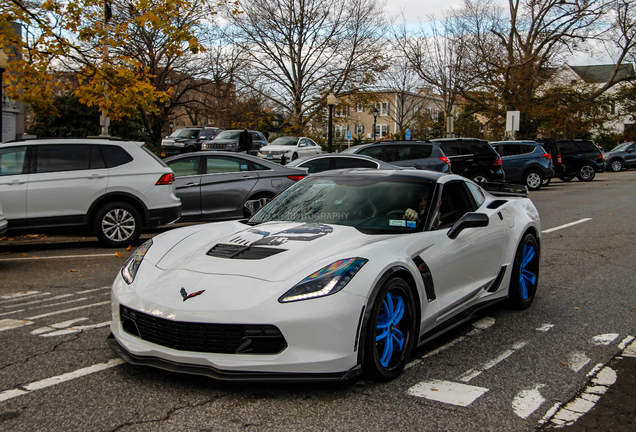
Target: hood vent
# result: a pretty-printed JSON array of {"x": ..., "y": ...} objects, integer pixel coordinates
[{"x": 243, "y": 252}]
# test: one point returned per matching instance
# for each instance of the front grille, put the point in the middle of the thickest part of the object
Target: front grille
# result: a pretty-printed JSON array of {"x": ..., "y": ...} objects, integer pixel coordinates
[
  {"x": 203, "y": 337},
  {"x": 219, "y": 146}
]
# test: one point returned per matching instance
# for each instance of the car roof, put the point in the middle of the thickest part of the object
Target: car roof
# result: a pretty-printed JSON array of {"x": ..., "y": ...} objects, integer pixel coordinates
[
  {"x": 382, "y": 173},
  {"x": 254, "y": 159},
  {"x": 74, "y": 140},
  {"x": 442, "y": 140},
  {"x": 514, "y": 142},
  {"x": 342, "y": 155}
]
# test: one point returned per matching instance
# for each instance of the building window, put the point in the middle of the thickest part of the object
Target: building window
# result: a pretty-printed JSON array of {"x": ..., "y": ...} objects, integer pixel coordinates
[
  {"x": 385, "y": 108},
  {"x": 359, "y": 129},
  {"x": 359, "y": 107},
  {"x": 381, "y": 130},
  {"x": 340, "y": 131}
]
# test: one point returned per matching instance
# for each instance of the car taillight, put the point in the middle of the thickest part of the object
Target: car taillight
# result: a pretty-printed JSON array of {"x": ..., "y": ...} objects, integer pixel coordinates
[
  {"x": 497, "y": 162},
  {"x": 548, "y": 155},
  {"x": 559, "y": 160},
  {"x": 445, "y": 159},
  {"x": 600, "y": 157},
  {"x": 165, "y": 179},
  {"x": 296, "y": 177}
]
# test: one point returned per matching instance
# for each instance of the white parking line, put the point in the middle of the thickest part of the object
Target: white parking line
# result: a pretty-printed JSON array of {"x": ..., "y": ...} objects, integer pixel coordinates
[
  {"x": 8, "y": 324},
  {"x": 48, "y": 382},
  {"x": 77, "y": 329},
  {"x": 39, "y": 301},
  {"x": 67, "y": 310},
  {"x": 447, "y": 392},
  {"x": 18, "y": 295},
  {"x": 566, "y": 225},
  {"x": 472, "y": 373},
  {"x": 21, "y": 298},
  {"x": 93, "y": 290},
  {"x": 528, "y": 401},
  {"x": 60, "y": 257}
]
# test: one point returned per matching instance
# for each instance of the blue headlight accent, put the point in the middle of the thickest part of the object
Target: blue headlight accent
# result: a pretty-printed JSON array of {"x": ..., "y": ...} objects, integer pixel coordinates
[
  {"x": 326, "y": 281},
  {"x": 129, "y": 270}
]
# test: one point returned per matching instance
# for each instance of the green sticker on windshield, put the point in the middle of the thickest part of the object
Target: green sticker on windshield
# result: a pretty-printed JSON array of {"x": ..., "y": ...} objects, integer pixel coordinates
[{"x": 397, "y": 222}]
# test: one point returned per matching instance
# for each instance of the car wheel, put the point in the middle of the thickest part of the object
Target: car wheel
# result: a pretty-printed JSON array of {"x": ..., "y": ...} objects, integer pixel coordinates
[
  {"x": 586, "y": 173},
  {"x": 545, "y": 182},
  {"x": 262, "y": 196},
  {"x": 392, "y": 331},
  {"x": 566, "y": 178},
  {"x": 294, "y": 156},
  {"x": 533, "y": 180},
  {"x": 525, "y": 274},
  {"x": 616, "y": 165},
  {"x": 117, "y": 224},
  {"x": 480, "y": 178}
]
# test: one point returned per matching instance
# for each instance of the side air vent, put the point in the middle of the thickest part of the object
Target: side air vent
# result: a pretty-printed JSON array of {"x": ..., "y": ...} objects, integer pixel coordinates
[
  {"x": 425, "y": 272},
  {"x": 496, "y": 204},
  {"x": 243, "y": 252}
]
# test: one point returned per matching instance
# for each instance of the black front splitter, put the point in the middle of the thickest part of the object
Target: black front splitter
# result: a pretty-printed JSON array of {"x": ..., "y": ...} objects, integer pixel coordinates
[{"x": 212, "y": 372}]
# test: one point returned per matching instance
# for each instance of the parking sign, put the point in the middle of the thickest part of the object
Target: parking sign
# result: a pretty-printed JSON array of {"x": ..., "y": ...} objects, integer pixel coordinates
[
  {"x": 408, "y": 134},
  {"x": 349, "y": 135}
]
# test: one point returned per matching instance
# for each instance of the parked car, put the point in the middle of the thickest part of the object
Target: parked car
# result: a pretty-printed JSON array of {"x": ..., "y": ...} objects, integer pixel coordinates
[
  {"x": 187, "y": 140},
  {"x": 582, "y": 158},
  {"x": 415, "y": 154},
  {"x": 228, "y": 141},
  {"x": 216, "y": 185},
  {"x": 288, "y": 149},
  {"x": 3, "y": 223},
  {"x": 525, "y": 162},
  {"x": 114, "y": 188},
  {"x": 331, "y": 161},
  {"x": 472, "y": 158},
  {"x": 552, "y": 147},
  {"x": 621, "y": 157},
  {"x": 328, "y": 281}
]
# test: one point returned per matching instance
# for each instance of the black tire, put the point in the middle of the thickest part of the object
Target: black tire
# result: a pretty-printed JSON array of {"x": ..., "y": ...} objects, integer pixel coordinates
[
  {"x": 566, "y": 178},
  {"x": 525, "y": 274},
  {"x": 117, "y": 224},
  {"x": 384, "y": 362},
  {"x": 480, "y": 178},
  {"x": 586, "y": 172},
  {"x": 616, "y": 165},
  {"x": 545, "y": 182},
  {"x": 533, "y": 180},
  {"x": 294, "y": 157},
  {"x": 246, "y": 213}
]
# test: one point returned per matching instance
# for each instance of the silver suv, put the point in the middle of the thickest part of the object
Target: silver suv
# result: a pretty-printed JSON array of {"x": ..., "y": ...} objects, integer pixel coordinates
[{"x": 111, "y": 187}]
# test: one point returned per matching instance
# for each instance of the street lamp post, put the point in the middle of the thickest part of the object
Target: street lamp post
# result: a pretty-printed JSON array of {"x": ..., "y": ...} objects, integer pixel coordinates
[
  {"x": 4, "y": 61},
  {"x": 171, "y": 127},
  {"x": 331, "y": 101},
  {"x": 375, "y": 119}
]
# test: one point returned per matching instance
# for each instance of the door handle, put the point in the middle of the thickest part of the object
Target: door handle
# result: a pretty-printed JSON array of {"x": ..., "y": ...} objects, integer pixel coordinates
[
  {"x": 17, "y": 182},
  {"x": 470, "y": 160},
  {"x": 94, "y": 176},
  {"x": 191, "y": 184},
  {"x": 247, "y": 178},
  {"x": 417, "y": 166}
]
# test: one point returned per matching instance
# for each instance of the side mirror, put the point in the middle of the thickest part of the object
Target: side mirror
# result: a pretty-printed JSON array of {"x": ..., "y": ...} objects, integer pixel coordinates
[
  {"x": 253, "y": 206},
  {"x": 469, "y": 220}
]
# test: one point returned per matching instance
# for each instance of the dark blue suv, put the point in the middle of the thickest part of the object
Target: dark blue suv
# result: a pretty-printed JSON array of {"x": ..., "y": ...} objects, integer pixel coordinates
[{"x": 525, "y": 162}]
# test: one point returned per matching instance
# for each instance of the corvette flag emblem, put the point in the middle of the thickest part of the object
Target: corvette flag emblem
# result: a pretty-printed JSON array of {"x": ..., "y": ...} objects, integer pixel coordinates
[{"x": 186, "y": 296}]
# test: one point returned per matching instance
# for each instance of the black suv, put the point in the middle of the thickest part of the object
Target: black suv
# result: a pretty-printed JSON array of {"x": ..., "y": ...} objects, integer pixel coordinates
[
  {"x": 187, "y": 140},
  {"x": 228, "y": 141},
  {"x": 582, "y": 158},
  {"x": 415, "y": 154},
  {"x": 472, "y": 158}
]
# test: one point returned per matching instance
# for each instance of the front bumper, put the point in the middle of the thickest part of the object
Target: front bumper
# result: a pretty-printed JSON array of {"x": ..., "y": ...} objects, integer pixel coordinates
[
  {"x": 321, "y": 334},
  {"x": 171, "y": 151}
]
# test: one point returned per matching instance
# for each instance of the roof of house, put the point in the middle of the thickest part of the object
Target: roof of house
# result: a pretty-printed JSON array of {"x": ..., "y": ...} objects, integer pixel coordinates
[{"x": 599, "y": 74}]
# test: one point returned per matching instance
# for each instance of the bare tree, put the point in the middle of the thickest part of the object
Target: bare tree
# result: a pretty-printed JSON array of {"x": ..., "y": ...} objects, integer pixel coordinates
[{"x": 303, "y": 49}]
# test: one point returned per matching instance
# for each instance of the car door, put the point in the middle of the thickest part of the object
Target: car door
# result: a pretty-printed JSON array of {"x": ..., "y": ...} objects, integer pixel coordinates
[
  {"x": 460, "y": 162},
  {"x": 512, "y": 160},
  {"x": 305, "y": 148},
  {"x": 315, "y": 148},
  {"x": 14, "y": 175},
  {"x": 403, "y": 155},
  {"x": 226, "y": 183},
  {"x": 65, "y": 181},
  {"x": 188, "y": 185},
  {"x": 630, "y": 155},
  {"x": 463, "y": 266}
]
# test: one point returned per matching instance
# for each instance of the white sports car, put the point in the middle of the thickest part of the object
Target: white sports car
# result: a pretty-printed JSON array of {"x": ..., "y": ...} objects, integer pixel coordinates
[{"x": 343, "y": 273}]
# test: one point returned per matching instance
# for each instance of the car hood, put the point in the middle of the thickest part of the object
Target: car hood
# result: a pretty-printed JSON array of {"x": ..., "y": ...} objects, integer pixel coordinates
[
  {"x": 273, "y": 251},
  {"x": 279, "y": 148},
  {"x": 224, "y": 141},
  {"x": 173, "y": 140}
]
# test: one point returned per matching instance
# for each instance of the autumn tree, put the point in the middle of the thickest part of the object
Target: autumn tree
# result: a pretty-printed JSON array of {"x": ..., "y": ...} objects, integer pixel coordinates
[{"x": 301, "y": 50}]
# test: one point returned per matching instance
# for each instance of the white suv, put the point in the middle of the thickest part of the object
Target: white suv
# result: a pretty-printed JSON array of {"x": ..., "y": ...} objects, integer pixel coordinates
[{"x": 114, "y": 188}]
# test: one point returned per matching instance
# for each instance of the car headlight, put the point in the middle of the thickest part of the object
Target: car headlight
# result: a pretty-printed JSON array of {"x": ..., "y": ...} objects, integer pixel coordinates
[
  {"x": 326, "y": 281},
  {"x": 129, "y": 270}
]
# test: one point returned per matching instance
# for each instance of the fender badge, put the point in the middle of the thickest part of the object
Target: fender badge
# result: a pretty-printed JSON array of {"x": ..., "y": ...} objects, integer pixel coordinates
[{"x": 186, "y": 296}]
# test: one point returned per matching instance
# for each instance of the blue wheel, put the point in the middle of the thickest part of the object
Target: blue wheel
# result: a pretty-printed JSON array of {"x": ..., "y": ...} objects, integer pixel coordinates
[
  {"x": 525, "y": 273},
  {"x": 391, "y": 333}
]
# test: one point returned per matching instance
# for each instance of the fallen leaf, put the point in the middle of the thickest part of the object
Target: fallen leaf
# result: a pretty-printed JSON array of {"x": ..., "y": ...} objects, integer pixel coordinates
[
  {"x": 564, "y": 363},
  {"x": 577, "y": 308},
  {"x": 73, "y": 271},
  {"x": 609, "y": 213},
  {"x": 129, "y": 247},
  {"x": 118, "y": 255},
  {"x": 4, "y": 253}
]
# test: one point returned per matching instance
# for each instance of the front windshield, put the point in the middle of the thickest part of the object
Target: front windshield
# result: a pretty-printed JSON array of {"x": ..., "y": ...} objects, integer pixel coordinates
[
  {"x": 228, "y": 135},
  {"x": 621, "y": 147},
  {"x": 370, "y": 204},
  {"x": 185, "y": 133},
  {"x": 290, "y": 141}
]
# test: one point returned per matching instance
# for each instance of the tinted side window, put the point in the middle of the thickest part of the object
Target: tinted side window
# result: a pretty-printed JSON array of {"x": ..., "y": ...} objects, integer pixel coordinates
[
  {"x": 342, "y": 163},
  {"x": 219, "y": 165},
  {"x": 479, "y": 149},
  {"x": 62, "y": 157},
  {"x": 421, "y": 151},
  {"x": 115, "y": 156},
  {"x": 587, "y": 146},
  {"x": 508, "y": 149},
  {"x": 527, "y": 148},
  {"x": 316, "y": 165},
  {"x": 97, "y": 161},
  {"x": 374, "y": 152},
  {"x": 12, "y": 160},
  {"x": 185, "y": 167},
  {"x": 451, "y": 148},
  {"x": 568, "y": 147},
  {"x": 478, "y": 195},
  {"x": 398, "y": 153},
  {"x": 259, "y": 167}
]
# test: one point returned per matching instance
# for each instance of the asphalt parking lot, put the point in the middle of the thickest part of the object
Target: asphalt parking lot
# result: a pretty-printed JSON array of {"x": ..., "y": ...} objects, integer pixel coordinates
[{"x": 534, "y": 370}]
